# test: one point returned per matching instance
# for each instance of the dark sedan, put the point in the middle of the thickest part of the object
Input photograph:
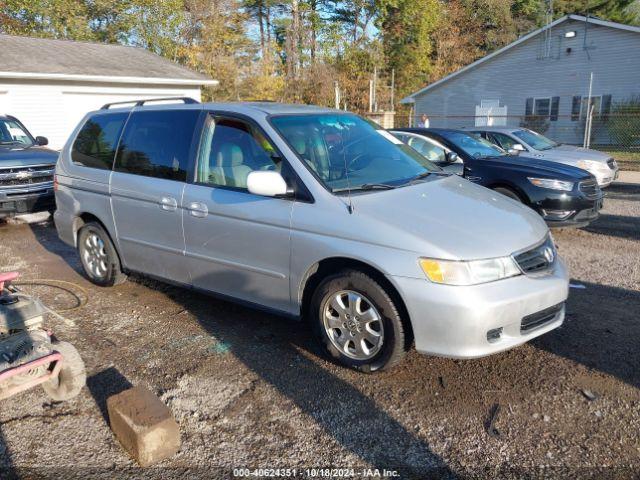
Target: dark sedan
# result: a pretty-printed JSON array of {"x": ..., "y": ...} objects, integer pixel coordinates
[
  {"x": 26, "y": 170},
  {"x": 563, "y": 195}
]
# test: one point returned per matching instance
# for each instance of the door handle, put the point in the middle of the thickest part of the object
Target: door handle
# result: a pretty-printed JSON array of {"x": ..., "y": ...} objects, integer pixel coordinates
[
  {"x": 198, "y": 209},
  {"x": 169, "y": 204}
]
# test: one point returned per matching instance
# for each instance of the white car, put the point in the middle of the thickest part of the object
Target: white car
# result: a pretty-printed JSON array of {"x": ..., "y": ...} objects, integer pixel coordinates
[{"x": 599, "y": 164}]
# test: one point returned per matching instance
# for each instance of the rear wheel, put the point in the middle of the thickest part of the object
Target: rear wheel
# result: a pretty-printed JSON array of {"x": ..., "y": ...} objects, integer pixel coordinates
[
  {"x": 357, "y": 322},
  {"x": 507, "y": 192},
  {"x": 98, "y": 256},
  {"x": 72, "y": 375}
]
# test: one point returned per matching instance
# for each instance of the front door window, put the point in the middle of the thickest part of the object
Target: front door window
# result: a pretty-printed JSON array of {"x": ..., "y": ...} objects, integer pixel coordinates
[{"x": 232, "y": 149}]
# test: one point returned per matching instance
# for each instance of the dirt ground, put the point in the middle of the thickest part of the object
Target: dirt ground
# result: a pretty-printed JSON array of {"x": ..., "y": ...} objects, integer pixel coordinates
[{"x": 250, "y": 389}]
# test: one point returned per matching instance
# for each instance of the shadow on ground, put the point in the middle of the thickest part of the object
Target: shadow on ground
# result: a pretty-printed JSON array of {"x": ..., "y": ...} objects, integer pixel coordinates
[
  {"x": 623, "y": 191},
  {"x": 104, "y": 384},
  {"x": 601, "y": 331},
  {"x": 616, "y": 226},
  {"x": 271, "y": 346},
  {"x": 7, "y": 470}
]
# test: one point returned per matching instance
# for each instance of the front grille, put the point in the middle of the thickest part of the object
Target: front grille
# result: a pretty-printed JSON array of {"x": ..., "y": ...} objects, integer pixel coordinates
[
  {"x": 540, "y": 319},
  {"x": 26, "y": 176},
  {"x": 612, "y": 164},
  {"x": 590, "y": 188},
  {"x": 540, "y": 259}
]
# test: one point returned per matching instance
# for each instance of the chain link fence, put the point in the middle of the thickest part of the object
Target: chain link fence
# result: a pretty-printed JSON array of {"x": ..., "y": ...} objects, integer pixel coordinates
[{"x": 616, "y": 133}]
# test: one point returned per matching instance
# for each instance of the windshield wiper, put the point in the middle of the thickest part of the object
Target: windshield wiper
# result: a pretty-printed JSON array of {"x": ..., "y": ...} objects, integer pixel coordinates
[
  {"x": 424, "y": 175},
  {"x": 366, "y": 186},
  {"x": 12, "y": 142}
]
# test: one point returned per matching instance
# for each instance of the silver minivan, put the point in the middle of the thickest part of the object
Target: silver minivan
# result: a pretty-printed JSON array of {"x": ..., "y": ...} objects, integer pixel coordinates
[{"x": 312, "y": 213}]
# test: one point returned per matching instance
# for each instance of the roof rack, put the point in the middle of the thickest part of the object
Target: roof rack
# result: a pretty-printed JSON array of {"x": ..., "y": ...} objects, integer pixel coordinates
[{"x": 140, "y": 103}]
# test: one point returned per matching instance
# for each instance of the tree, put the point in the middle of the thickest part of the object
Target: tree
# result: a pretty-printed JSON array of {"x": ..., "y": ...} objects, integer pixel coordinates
[
  {"x": 615, "y": 10},
  {"x": 46, "y": 18},
  {"x": 406, "y": 28}
]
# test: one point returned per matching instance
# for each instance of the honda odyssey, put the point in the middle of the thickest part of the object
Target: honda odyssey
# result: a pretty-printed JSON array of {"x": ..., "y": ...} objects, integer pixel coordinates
[{"x": 312, "y": 213}]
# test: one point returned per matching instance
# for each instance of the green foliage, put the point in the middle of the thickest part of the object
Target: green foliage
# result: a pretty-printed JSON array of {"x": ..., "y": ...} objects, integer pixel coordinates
[
  {"x": 614, "y": 10},
  {"x": 46, "y": 18},
  {"x": 623, "y": 123},
  {"x": 406, "y": 27}
]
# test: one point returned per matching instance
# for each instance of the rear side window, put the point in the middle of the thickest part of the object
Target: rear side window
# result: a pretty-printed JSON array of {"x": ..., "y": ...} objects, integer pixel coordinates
[
  {"x": 95, "y": 146},
  {"x": 157, "y": 144}
]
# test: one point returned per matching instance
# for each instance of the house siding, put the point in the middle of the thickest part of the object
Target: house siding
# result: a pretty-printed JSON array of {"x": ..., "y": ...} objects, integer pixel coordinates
[{"x": 524, "y": 71}]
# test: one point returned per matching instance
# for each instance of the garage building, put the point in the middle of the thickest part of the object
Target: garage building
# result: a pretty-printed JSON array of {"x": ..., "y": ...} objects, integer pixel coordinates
[{"x": 50, "y": 84}]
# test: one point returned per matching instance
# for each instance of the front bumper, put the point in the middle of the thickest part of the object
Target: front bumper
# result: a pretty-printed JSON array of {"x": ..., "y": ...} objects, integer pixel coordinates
[
  {"x": 569, "y": 209},
  {"x": 460, "y": 322},
  {"x": 605, "y": 177},
  {"x": 18, "y": 201}
]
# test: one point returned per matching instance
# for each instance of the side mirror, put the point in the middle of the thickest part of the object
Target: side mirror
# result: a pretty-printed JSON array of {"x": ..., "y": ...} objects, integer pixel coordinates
[
  {"x": 452, "y": 157},
  {"x": 42, "y": 141},
  {"x": 267, "y": 184},
  {"x": 517, "y": 147}
]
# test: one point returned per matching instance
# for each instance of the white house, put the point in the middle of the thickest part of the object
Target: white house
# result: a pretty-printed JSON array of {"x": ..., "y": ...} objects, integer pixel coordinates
[{"x": 50, "y": 84}]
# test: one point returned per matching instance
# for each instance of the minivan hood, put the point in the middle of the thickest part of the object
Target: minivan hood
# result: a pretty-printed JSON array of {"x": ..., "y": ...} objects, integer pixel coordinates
[
  {"x": 25, "y": 157},
  {"x": 571, "y": 152},
  {"x": 537, "y": 166},
  {"x": 447, "y": 217}
]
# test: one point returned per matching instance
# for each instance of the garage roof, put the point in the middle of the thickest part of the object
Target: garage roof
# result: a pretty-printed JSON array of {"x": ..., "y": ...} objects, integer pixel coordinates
[{"x": 41, "y": 58}]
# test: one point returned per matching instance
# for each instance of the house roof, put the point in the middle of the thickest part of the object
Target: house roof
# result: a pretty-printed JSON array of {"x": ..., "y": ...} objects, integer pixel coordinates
[
  {"x": 524, "y": 38},
  {"x": 50, "y": 59}
]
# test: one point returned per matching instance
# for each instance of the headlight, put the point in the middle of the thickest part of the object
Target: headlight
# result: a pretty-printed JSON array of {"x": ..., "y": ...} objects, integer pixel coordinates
[
  {"x": 473, "y": 272},
  {"x": 552, "y": 184},
  {"x": 590, "y": 165}
]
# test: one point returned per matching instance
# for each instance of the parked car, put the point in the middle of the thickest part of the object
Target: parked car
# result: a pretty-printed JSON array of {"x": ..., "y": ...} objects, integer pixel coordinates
[
  {"x": 26, "y": 170},
  {"x": 563, "y": 195},
  {"x": 312, "y": 213},
  {"x": 515, "y": 140}
]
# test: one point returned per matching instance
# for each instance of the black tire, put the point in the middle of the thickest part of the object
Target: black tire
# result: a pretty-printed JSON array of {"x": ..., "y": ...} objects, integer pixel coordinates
[
  {"x": 72, "y": 376},
  {"x": 113, "y": 274},
  {"x": 394, "y": 345},
  {"x": 507, "y": 192}
]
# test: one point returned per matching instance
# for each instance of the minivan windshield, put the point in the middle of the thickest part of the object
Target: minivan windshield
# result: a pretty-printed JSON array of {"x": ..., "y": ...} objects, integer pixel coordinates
[
  {"x": 347, "y": 152},
  {"x": 474, "y": 146},
  {"x": 12, "y": 133},
  {"x": 535, "y": 140}
]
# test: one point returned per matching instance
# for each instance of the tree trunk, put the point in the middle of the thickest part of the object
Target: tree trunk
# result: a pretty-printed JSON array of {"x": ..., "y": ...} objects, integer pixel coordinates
[
  {"x": 314, "y": 25},
  {"x": 261, "y": 24}
]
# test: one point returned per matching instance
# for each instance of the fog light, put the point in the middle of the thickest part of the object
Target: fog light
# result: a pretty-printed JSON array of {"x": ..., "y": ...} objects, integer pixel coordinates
[
  {"x": 494, "y": 334},
  {"x": 557, "y": 214}
]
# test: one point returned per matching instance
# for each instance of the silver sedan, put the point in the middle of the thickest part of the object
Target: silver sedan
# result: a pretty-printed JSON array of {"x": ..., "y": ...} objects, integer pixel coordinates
[{"x": 515, "y": 140}]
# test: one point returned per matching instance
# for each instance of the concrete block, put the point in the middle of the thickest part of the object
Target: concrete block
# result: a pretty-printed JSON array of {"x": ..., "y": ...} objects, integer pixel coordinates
[{"x": 143, "y": 425}]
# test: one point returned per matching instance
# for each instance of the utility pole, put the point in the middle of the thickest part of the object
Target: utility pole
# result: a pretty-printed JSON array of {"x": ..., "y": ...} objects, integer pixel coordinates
[
  {"x": 375, "y": 85},
  {"x": 587, "y": 119}
]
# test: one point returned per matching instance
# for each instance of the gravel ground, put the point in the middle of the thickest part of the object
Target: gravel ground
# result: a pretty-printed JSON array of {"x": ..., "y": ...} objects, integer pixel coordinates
[{"x": 250, "y": 390}]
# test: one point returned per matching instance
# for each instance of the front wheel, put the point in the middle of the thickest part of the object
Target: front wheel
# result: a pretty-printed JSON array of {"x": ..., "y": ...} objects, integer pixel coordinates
[
  {"x": 507, "y": 192},
  {"x": 357, "y": 322}
]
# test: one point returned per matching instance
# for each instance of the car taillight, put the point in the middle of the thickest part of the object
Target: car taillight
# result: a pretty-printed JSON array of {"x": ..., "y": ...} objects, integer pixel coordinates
[{"x": 55, "y": 183}]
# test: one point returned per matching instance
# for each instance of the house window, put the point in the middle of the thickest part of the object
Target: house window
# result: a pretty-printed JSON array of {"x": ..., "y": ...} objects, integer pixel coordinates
[
  {"x": 542, "y": 107},
  {"x": 596, "y": 101},
  {"x": 601, "y": 106}
]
